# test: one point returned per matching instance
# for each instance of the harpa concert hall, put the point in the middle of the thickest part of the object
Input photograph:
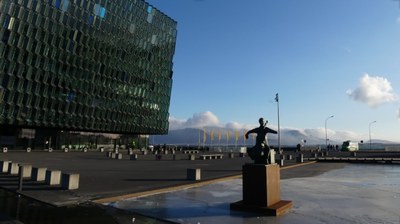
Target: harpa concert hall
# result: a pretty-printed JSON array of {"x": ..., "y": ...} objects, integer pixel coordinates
[{"x": 83, "y": 73}]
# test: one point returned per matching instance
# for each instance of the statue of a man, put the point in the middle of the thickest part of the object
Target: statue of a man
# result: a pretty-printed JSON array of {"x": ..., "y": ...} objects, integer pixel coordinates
[{"x": 259, "y": 153}]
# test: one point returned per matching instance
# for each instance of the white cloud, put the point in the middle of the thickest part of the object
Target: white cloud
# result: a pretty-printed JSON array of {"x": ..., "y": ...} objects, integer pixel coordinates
[
  {"x": 198, "y": 120},
  {"x": 373, "y": 91},
  {"x": 290, "y": 135},
  {"x": 238, "y": 126},
  {"x": 205, "y": 120},
  {"x": 398, "y": 20}
]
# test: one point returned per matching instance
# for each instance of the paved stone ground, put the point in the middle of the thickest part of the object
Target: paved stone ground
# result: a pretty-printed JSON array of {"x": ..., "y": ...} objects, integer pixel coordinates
[{"x": 103, "y": 177}]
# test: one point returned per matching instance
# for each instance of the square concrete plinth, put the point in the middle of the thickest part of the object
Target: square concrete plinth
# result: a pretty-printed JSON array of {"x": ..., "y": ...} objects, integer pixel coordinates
[
  {"x": 26, "y": 170},
  {"x": 39, "y": 173},
  {"x": 13, "y": 168},
  {"x": 261, "y": 184},
  {"x": 193, "y": 174},
  {"x": 261, "y": 190},
  {"x": 4, "y": 166},
  {"x": 53, "y": 177},
  {"x": 70, "y": 181}
]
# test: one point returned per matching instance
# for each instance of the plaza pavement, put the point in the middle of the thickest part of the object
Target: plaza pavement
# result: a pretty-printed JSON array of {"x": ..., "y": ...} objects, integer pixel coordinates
[{"x": 104, "y": 179}]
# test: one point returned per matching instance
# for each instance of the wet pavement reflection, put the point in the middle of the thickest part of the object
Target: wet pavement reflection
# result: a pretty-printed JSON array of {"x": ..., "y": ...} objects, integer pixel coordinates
[
  {"x": 19, "y": 209},
  {"x": 356, "y": 193}
]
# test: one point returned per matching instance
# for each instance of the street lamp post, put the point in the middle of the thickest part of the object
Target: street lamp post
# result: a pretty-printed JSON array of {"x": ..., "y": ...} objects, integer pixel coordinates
[
  {"x": 370, "y": 144},
  {"x": 279, "y": 127},
  {"x": 326, "y": 133}
]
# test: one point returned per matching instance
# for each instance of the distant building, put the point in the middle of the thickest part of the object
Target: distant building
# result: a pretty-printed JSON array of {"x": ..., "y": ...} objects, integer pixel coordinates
[{"x": 73, "y": 69}]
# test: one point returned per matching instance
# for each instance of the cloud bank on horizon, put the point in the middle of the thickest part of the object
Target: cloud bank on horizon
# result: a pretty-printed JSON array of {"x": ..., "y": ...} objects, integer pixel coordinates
[
  {"x": 209, "y": 121},
  {"x": 373, "y": 91},
  {"x": 204, "y": 120}
]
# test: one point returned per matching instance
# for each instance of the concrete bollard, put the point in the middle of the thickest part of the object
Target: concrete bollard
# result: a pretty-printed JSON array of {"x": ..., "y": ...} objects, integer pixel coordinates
[
  {"x": 353, "y": 154},
  {"x": 50, "y": 149},
  {"x": 193, "y": 174},
  {"x": 27, "y": 170},
  {"x": 300, "y": 158},
  {"x": 53, "y": 177},
  {"x": 118, "y": 156},
  {"x": 70, "y": 181},
  {"x": 314, "y": 155},
  {"x": 65, "y": 149},
  {"x": 4, "y": 166},
  {"x": 5, "y": 149},
  {"x": 231, "y": 155},
  {"x": 28, "y": 149},
  {"x": 191, "y": 157},
  {"x": 144, "y": 152},
  {"x": 113, "y": 155},
  {"x": 13, "y": 168},
  {"x": 38, "y": 173},
  {"x": 85, "y": 149},
  {"x": 272, "y": 156},
  {"x": 133, "y": 157},
  {"x": 280, "y": 162},
  {"x": 101, "y": 149},
  {"x": 289, "y": 157},
  {"x": 242, "y": 155}
]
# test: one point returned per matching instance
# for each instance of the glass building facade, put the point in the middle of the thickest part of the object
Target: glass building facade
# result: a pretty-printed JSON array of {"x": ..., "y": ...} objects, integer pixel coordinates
[{"x": 85, "y": 65}]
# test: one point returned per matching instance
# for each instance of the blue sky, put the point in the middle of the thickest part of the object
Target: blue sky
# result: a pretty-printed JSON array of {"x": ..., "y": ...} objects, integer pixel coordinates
[{"x": 323, "y": 57}]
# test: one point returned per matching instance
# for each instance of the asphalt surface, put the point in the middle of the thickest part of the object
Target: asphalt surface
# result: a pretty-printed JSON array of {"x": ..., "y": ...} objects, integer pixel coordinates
[{"x": 102, "y": 177}]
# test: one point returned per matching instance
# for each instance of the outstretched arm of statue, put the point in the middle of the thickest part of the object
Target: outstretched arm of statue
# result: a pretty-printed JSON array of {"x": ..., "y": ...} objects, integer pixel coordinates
[
  {"x": 251, "y": 131},
  {"x": 269, "y": 130}
]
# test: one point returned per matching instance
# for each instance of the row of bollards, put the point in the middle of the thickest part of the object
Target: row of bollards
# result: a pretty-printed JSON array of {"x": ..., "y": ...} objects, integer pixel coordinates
[{"x": 68, "y": 181}]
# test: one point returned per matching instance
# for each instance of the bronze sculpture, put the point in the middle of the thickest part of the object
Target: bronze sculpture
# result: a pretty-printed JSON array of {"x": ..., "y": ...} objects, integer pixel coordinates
[{"x": 260, "y": 152}]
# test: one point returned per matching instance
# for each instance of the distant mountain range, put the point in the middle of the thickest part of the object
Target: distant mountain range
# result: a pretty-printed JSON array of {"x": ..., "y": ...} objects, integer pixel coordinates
[{"x": 290, "y": 137}]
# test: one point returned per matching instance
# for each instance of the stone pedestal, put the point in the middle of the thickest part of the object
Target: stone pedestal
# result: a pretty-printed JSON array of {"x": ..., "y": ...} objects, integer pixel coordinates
[{"x": 261, "y": 190}]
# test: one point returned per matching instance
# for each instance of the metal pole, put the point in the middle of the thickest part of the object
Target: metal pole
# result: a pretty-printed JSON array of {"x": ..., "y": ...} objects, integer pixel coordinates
[
  {"x": 326, "y": 133},
  {"x": 370, "y": 144},
  {"x": 21, "y": 175},
  {"x": 279, "y": 126}
]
